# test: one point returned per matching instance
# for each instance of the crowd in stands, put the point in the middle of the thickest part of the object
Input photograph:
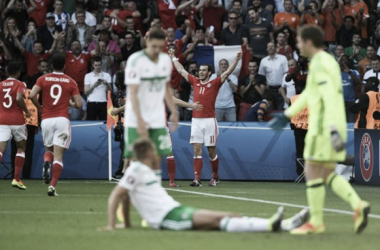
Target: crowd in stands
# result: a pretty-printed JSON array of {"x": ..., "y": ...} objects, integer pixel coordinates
[{"x": 97, "y": 38}]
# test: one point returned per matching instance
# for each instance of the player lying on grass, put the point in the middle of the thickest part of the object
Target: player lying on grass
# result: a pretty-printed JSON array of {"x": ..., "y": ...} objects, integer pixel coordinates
[{"x": 141, "y": 186}]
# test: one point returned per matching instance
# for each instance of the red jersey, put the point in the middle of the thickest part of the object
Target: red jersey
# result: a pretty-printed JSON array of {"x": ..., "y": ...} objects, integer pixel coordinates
[
  {"x": 205, "y": 94},
  {"x": 32, "y": 61},
  {"x": 122, "y": 15},
  {"x": 178, "y": 43},
  {"x": 166, "y": 10},
  {"x": 77, "y": 67},
  {"x": 10, "y": 112},
  {"x": 56, "y": 91},
  {"x": 38, "y": 15}
]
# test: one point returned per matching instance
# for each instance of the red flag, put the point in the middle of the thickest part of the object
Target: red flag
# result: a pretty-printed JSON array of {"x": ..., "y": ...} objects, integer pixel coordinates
[{"x": 110, "y": 118}]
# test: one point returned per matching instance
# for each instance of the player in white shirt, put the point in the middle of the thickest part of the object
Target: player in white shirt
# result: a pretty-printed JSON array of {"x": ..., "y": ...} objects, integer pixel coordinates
[
  {"x": 141, "y": 187},
  {"x": 147, "y": 77}
]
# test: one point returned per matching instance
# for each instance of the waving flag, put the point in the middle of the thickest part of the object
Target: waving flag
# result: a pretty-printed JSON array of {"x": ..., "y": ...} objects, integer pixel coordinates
[
  {"x": 110, "y": 118},
  {"x": 213, "y": 54}
]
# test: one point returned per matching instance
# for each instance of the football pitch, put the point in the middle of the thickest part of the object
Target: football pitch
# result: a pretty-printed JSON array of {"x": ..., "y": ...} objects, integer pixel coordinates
[{"x": 32, "y": 220}]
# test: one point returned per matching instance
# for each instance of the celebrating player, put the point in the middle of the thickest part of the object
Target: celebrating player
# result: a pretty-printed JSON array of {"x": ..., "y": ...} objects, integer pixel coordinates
[
  {"x": 59, "y": 92},
  {"x": 12, "y": 122},
  {"x": 147, "y": 77},
  {"x": 326, "y": 136},
  {"x": 204, "y": 127},
  {"x": 141, "y": 186}
]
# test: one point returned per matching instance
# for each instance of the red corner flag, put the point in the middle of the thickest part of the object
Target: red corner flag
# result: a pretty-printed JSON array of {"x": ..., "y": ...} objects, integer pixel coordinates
[{"x": 110, "y": 118}]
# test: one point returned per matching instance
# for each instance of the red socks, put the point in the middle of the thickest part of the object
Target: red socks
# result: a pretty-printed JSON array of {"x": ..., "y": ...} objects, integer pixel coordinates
[
  {"x": 48, "y": 156},
  {"x": 19, "y": 164},
  {"x": 197, "y": 167},
  {"x": 56, "y": 172},
  {"x": 215, "y": 167},
  {"x": 171, "y": 167}
]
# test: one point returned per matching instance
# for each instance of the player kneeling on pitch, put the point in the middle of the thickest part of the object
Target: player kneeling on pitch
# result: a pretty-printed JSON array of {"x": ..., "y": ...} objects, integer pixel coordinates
[{"x": 141, "y": 185}]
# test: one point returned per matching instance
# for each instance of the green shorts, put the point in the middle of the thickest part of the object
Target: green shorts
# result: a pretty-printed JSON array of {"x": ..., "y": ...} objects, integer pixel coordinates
[
  {"x": 319, "y": 148},
  {"x": 159, "y": 136},
  {"x": 180, "y": 218}
]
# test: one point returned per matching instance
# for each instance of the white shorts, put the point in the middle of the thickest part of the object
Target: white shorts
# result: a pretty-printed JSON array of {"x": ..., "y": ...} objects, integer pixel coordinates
[
  {"x": 18, "y": 132},
  {"x": 56, "y": 131},
  {"x": 205, "y": 131}
]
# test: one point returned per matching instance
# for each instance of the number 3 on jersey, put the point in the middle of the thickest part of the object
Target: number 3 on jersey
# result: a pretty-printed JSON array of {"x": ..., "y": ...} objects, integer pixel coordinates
[
  {"x": 55, "y": 93},
  {"x": 202, "y": 90},
  {"x": 7, "y": 96}
]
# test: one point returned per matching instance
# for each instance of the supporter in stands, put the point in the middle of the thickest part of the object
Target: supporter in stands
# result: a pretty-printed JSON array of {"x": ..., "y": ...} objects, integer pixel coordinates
[
  {"x": 260, "y": 33},
  {"x": 96, "y": 85},
  {"x": 39, "y": 13},
  {"x": 252, "y": 88},
  {"x": 16, "y": 9},
  {"x": 80, "y": 31},
  {"x": 350, "y": 79},
  {"x": 30, "y": 37},
  {"x": 332, "y": 22},
  {"x": 187, "y": 9},
  {"x": 346, "y": 32},
  {"x": 234, "y": 33},
  {"x": 89, "y": 19},
  {"x": 118, "y": 16},
  {"x": 45, "y": 33},
  {"x": 132, "y": 7},
  {"x": 338, "y": 52},
  {"x": 62, "y": 18},
  {"x": 166, "y": 10},
  {"x": 273, "y": 67},
  {"x": 299, "y": 72},
  {"x": 111, "y": 46},
  {"x": 10, "y": 31},
  {"x": 42, "y": 70},
  {"x": 131, "y": 27},
  {"x": 180, "y": 43},
  {"x": 258, "y": 110},
  {"x": 212, "y": 14},
  {"x": 238, "y": 8},
  {"x": 287, "y": 89},
  {"x": 365, "y": 64},
  {"x": 299, "y": 124},
  {"x": 366, "y": 105},
  {"x": 268, "y": 5},
  {"x": 374, "y": 72},
  {"x": 287, "y": 18},
  {"x": 130, "y": 46},
  {"x": 107, "y": 58},
  {"x": 356, "y": 52},
  {"x": 32, "y": 59},
  {"x": 282, "y": 48},
  {"x": 359, "y": 10},
  {"x": 5, "y": 56},
  {"x": 310, "y": 15},
  {"x": 264, "y": 14},
  {"x": 106, "y": 24},
  {"x": 225, "y": 108}
]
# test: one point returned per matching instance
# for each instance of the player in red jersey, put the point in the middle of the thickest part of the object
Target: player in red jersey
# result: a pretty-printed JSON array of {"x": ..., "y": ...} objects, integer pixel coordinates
[
  {"x": 204, "y": 127},
  {"x": 58, "y": 92},
  {"x": 12, "y": 121}
]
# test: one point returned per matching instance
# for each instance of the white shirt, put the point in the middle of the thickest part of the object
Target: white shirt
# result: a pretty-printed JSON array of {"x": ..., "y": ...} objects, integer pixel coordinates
[
  {"x": 99, "y": 94},
  {"x": 371, "y": 73},
  {"x": 225, "y": 97},
  {"x": 90, "y": 19},
  {"x": 290, "y": 89},
  {"x": 81, "y": 31},
  {"x": 147, "y": 195},
  {"x": 274, "y": 69},
  {"x": 152, "y": 79}
]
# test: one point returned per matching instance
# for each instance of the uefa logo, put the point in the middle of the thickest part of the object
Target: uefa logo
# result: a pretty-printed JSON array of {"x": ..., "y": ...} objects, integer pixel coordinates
[{"x": 366, "y": 157}]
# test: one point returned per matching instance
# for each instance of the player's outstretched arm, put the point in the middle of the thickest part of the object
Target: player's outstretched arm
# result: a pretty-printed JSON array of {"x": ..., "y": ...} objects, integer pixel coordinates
[
  {"x": 232, "y": 67},
  {"x": 21, "y": 103},
  {"x": 33, "y": 96},
  {"x": 196, "y": 106},
  {"x": 178, "y": 66}
]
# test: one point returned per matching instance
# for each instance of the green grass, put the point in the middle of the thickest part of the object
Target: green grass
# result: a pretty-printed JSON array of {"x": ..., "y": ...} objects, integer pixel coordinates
[{"x": 32, "y": 220}]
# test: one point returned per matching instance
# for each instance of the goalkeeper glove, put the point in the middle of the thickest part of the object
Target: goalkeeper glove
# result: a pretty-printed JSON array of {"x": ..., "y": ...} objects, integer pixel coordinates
[
  {"x": 278, "y": 122},
  {"x": 336, "y": 140}
]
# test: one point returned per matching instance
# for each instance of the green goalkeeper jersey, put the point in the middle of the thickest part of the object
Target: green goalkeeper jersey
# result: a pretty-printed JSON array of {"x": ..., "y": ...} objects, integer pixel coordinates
[{"x": 323, "y": 96}]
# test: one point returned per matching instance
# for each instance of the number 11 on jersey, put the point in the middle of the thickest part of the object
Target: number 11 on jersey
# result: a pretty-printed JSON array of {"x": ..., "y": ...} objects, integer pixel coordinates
[{"x": 202, "y": 90}]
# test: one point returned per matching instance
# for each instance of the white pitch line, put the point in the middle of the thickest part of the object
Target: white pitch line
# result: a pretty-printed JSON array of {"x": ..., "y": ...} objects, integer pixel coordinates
[{"x": 338, "y": 211}]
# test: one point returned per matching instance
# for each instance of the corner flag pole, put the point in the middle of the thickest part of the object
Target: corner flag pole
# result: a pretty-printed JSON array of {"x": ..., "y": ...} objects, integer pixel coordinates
[{"x": 109, "y": 155}]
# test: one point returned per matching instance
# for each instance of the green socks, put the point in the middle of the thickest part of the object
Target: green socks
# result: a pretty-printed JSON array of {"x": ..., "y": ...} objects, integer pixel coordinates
[
  {"x": 316, "y": 193},
  {"x": 343, "y": 189}
]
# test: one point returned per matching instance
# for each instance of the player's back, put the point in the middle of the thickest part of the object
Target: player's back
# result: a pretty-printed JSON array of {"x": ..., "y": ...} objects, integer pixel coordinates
[
  {"x": 325, "y": 70},
  {"x": 10, "y": 112},
  {"x": 56, "y": 90}
]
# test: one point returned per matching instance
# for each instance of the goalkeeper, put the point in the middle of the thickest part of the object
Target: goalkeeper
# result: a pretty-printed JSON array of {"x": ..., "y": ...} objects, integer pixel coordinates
[{"x": 326, "y": 136}]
